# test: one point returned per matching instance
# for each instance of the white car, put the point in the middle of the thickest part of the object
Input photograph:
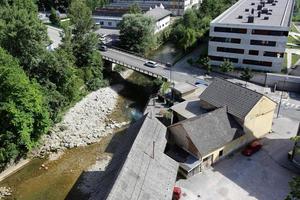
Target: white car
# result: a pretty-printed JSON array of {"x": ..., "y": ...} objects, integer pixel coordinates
[{"x": 151, "y": 64}]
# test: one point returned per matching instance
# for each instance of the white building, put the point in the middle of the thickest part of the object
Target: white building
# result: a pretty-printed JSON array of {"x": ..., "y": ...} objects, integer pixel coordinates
[
  {"x": 161, "y": 16},
  {"x": 252, "y": 34},
  {"x": 108, "y": 18},
  {"x": 177, "y": 7}
]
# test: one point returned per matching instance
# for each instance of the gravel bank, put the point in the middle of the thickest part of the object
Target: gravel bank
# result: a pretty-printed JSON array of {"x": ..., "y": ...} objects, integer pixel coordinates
[{"x": 85, "y": 123}]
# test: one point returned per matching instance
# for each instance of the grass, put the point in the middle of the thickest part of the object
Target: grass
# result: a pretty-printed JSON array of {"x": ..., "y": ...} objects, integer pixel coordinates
[
  {"x": 295, "y": 58},
  {"x": 294, "y": 29}
]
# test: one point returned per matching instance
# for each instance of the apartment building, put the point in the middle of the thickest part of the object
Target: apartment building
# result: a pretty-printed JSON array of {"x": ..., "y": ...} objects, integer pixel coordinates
[
  {"x": 252, "y": 34},
  {"x": 177, "y": 7}
]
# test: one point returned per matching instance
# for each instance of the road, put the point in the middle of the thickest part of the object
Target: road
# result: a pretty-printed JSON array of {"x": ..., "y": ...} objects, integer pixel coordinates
[{"x": 139, "y": 62}]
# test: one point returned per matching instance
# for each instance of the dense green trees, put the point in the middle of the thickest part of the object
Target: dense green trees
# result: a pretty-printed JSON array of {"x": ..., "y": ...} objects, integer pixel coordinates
[
  {"x": 54, "y": 18},
  {"x": 37, "y": 85},
  {"x": 195, "y": 22},
  {"x": 23, "y": 110},
  {"x": 137, "y": 33}
]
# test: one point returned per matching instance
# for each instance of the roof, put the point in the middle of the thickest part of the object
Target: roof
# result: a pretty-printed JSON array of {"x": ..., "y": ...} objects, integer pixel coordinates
[
  {"x": 110, "y": 12},
  {"x": 279, "y": 16},
  {"x": 183, "y": 87},
  {"x": 158, "y": 13},
  {"x": 142, "y": 176},
  {"x": 239, "y": 100},
  {"x": 211, "y": 131},
  {"x": 189, "y": 109}
]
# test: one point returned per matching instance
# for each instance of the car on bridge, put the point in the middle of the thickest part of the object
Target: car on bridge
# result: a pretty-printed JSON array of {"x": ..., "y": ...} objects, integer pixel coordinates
[
  {"x": 103, "y": 48},
  {"x": 151, "y": 64}
]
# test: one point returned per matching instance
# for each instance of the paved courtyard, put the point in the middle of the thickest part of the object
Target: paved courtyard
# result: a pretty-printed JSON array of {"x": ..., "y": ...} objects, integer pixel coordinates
[{"x": 263, "y": 176}]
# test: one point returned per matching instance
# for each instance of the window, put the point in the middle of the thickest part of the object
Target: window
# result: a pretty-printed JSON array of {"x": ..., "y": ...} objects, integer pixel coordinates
[
  {"x": 263, "y": 43},
  {"x": 269, "y": 32},
  {"x": 253, "y": 52},
  {"x": 226, "y": 40},
  {"x": 109, "y": 23},
  {"x": 230, "y": 50},
  {"x": 101, "y": 22},
  {"x": 257, "y": 62},
  {"x": 273, "y": 54},
  {"x": 230, "y": 30},
  {"x": 220, "y": 58},
  {"x": 221, "y": 153}
]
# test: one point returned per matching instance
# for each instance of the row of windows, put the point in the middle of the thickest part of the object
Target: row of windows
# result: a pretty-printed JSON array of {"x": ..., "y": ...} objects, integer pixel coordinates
[
  {"x": 245, "y": 61},
  {"x": 226, "y": 40},
  {"x": 263, "y": 43},
  {"x": 254, "y": 31},
  {"x": 230, "y": 50}
]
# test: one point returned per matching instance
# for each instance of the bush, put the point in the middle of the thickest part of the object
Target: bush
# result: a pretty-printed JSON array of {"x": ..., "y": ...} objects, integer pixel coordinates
[{"x": 190, "y": 61}]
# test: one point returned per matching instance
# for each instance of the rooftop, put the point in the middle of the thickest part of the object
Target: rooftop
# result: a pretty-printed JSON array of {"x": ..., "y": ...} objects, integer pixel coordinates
[
  {"x": 189, "y": 109},
  {"x": 147, "y": 173},
  {"x": 239, "y": 100},
  {"x": 183, "y": 87},
  {"x": 210, "y": 131},
  {"x": 273, "y": 13},
  {"x": 158, "y": 13}
]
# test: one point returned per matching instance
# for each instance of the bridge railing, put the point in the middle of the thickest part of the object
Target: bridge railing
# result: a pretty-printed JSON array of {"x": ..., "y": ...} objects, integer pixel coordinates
[{"x": 136, "y": 54}]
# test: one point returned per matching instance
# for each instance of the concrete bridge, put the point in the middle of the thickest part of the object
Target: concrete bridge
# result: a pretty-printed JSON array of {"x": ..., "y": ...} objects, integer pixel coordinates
[{"x": 136, "y": 63}]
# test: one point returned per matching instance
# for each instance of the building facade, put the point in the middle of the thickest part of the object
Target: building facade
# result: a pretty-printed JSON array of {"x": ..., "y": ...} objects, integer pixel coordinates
[
  {"x": 252, "y": 34},
  {"x": 161, "y": 17}
]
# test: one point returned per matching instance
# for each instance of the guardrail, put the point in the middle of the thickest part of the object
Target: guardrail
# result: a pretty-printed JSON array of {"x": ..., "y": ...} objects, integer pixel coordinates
[{"x": 144, "y": 71}]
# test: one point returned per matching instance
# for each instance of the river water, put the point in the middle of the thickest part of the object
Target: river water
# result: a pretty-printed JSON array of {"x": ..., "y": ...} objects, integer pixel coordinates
[
  {"x": 168, "y": 52},
  {"x": 35, "y": 183}
]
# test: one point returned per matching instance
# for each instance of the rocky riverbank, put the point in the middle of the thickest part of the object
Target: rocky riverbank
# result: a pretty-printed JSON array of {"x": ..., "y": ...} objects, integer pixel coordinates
[{"x": 85, "y": 123}]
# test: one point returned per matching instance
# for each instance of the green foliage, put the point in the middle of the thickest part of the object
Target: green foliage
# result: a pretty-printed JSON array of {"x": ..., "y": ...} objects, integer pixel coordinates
[
  {"x": 195, "y": 22},
  {"x": 92, "y": 4},
  {"x": 190, "y": 61},
  {"x": 204, "y": 62},
  {"x": 135, "y": 9},
  {"x": 23, "y": 111},
  {"x": 54, "y": 18},
  {"x": 119, "y": 68},
  {"x": 246, "y": 74},
  {"x": 136, "y": 33},
  {"x": 165, "y": 87},
  {"x": 226, "y": 66},
  {"x": 22, "y": 34},
  {"x": 295, "y": 189}
]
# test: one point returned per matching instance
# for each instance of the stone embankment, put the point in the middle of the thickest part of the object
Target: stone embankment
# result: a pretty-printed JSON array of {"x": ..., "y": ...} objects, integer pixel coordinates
[
  {"x": 4, "y": 192},
  {"x": 85, "y": 123}
]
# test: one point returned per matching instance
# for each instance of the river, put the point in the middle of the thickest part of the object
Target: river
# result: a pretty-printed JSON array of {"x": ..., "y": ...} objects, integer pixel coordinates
[
  {"x": 32, "y": 182},
  {"x": 168, "y": 52}
]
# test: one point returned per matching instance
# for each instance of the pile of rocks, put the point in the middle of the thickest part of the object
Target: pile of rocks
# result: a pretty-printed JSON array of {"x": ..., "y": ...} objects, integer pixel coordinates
[
  {"x": 4, "y": 192},
  {"x": 85, "y": 123}
]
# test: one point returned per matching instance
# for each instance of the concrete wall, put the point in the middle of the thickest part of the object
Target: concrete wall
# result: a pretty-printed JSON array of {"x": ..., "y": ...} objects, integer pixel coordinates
[
  {"x": 259, "y": 120},
  {"x": 283, "y": 82}
]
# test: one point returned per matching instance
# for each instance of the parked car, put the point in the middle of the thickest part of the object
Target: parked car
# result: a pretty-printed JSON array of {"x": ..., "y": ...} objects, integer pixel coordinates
[
  {"x": 151, "y": 64},
  {"x": 103, "y": 48},
  {"x": 168, "y": 65},
  {"x": 176, "y": 193},
  {"x": 201, "y": 82},
  {"x": 252, "y": 148}
]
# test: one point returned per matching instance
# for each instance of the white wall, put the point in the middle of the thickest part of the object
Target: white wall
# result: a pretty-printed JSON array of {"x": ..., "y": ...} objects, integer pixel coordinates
[
  {"x": 162, "y": 24},
  {"x": 107, "y": 22}
]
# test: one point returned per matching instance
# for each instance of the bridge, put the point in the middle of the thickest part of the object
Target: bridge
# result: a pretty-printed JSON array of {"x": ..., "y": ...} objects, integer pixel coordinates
[{"x": 136, "y": 63}]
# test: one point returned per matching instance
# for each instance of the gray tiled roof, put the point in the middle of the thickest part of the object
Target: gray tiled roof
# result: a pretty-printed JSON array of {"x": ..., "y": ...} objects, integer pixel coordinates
[
  {"x": 158, "y": 13},
  {"x": 239, "y": 100},
  {"x": 212, "y": 130},
  {"x": 143, "y": 177}
]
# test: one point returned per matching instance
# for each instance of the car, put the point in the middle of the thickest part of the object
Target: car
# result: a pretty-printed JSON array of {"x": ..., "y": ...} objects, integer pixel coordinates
[
  {"x": 201, "y": 82},
  {"x": 151, "y": 64},
  {"x": 252, "y": 148},
  {"x": 103, "y": 48},
  {"x": 176, "y": 193},
  {"x": 168, "y": 65}
]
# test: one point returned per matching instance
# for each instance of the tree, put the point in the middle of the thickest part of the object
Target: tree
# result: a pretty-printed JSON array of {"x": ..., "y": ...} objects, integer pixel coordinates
[
  {"x": 23, "y": 110},
  {"x": 136, "y": 33},
  {"x": 226, "y": 66},
  {"x": 54, "y": 18},
  {"x": 22, "y": 34},
  {"x": 92, "y": 4},
  {"x": 135, "y": 9},
  {"x": 246, "y": 75},
  {"x": 295, "y": 189},
  {"x": 205, "y": 64}
]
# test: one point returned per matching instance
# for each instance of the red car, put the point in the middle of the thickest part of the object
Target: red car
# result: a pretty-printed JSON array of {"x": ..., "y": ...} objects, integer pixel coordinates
[
  {"x": 176, "y": 193},
  {"x": 252, "y": 148}
]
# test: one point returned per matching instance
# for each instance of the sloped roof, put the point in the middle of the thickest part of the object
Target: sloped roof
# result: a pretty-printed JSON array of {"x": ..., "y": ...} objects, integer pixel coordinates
[
  {"x": 158, "y": 13},
  {"x": 239, "y": 100},
  {"x": 143, "y": 177},
  {"x": 211, "y": 131}
]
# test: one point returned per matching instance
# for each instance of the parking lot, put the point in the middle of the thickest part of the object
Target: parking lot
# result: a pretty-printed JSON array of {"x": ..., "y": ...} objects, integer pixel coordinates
[{"x": 264, "y": 175}]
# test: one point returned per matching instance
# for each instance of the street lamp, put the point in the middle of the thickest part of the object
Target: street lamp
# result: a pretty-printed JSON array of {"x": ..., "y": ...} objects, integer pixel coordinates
[{"x": 283, "y": 88}]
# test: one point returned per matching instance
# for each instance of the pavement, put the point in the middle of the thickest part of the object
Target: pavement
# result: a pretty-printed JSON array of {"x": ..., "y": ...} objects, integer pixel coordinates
[
  {"x": 264, "y": 175},
  {"x": 54, "y": 35}
]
